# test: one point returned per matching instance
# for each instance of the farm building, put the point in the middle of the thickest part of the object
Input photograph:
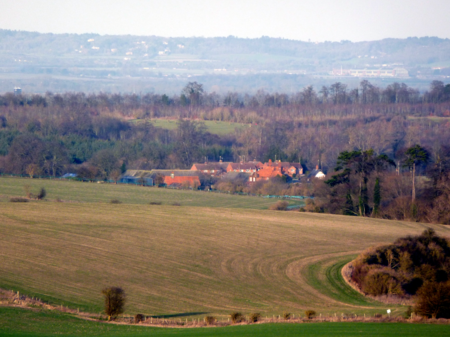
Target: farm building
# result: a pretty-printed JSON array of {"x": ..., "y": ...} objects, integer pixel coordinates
[
  {"x": 174, "y": 178},
  {"x": 179, "y": 178},
  {"x": 317, "y": 173},
  {"x": 215, "y": 169},
  {"x": 137, "y": 177},
  {"x": 274, "y": 169},
  {"x": 247, "y": 167}
]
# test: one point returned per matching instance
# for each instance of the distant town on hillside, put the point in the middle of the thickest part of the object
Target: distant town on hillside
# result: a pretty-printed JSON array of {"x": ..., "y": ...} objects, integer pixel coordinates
[{"x": 135, "y": 64}]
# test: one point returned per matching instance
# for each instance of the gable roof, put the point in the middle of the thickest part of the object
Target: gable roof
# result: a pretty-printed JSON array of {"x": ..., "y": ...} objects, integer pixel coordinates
[
  {"x": 177, "y": 173},
  {"x": 210, "y": 166},
  {"x": 253, "y": 165}
]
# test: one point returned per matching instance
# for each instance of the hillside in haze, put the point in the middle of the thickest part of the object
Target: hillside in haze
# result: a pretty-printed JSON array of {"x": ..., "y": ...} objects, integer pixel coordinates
[{"x": 91, "y": 62}]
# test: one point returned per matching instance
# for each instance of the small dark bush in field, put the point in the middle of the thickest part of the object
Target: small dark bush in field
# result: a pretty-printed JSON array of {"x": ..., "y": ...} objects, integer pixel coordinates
[
  {"x": 210, "y": 320},
  {"x": 286, "y": 315},
  {"x": 378, "y": 315},
  {"x": 279, "y": 206},
  {"x": 433, "y": 300},
  {"x": 302, "y": 209},
  {"x": 155, "y": 202},
  {"x": 114, "y": 301},
  {"x": 408, "y": 312},
  {"x": 42, "y": 193},
  {"x": 18, "y": 199},
  {"x": 115, "y": 201},
  {"x": 138, "y": 318},
  {"x": 254, "y": 317},
  {"x": 176, "y": 204},
  {"x": 58, "y": 200},
  {"x": 236, "y": 317},
  {"x": 310, "y": 314}
]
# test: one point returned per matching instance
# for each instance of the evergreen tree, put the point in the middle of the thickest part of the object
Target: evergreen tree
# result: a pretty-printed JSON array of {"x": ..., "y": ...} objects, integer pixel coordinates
[
  {"x": 349, "y": 209},
  {"x": 376, "y": 197}
]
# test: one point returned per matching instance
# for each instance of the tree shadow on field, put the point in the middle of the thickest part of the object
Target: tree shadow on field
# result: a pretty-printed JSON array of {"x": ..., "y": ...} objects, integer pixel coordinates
[{"x": 182, "y": 314}]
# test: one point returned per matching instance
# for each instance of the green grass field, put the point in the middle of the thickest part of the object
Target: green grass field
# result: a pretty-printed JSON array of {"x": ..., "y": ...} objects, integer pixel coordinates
[
  {"x": 214, "y": 127},
  {"x": 20, "y": 322},
  {"x": 75, "y": 191}
]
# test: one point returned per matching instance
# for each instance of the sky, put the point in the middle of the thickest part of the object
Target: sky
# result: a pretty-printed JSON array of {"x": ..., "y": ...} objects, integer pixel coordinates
[{"x": 314, "y": 20}]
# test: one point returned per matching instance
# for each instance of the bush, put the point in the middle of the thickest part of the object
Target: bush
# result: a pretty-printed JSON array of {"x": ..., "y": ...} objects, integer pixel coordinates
[
  {"x": 18, "y": 199},
  {"x": 139, "y": 318},
  {"x": 114, "y": 301},
  {"x": 176, "y": 204},
  {"x": 379, "y": 282},
  {"x": 115, "y": 201},
  {"x": 286, "y": 315},
  {"x": 254, "y": 317},
  {"x": 210, "y": 320},
  {"x": 408, "y": 312},
  {"x": 310, "y": 314},
  {"x": 155, "y": 202},
  {"x": 236, "y": 317},
  {"x": 433, "y": 300},
  {"x": 42, "y": 193},
  {"x": 279, "y": 206}
]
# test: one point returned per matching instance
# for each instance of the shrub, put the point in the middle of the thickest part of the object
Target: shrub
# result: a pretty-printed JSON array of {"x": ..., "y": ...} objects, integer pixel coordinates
[
  {"x": 254, "y": 317},
  {"x": 236, "y": 317},
  {"x": 310, "y": 314},
  {"x": 176, "y": 204},
  {"x": 210, "y": 320},
  {"x": 42, "y": 193},
  {"x": 155, "y": 202},
  {"x": 408, "y": 312},
  {"x": 114, "y": 301},
  {"x": 115, "y": 201},
  {"x": 139, "y": 318},
  {"x": 379, "y": 282},
  {"x": 433, "y": 300},
  {"x": 18, "y": 199},
  {"x": 279, "y": 206},
  {"x": 286, "y": 315},
  {"x": 302, "y": 209}
]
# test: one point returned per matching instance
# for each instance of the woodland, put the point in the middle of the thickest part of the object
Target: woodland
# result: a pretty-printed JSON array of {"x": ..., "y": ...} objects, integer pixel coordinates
[{"x": 343, "y": 131}]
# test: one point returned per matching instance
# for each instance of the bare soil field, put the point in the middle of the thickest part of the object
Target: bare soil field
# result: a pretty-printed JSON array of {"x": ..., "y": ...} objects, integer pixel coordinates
[{"x": 182, "y": 261}]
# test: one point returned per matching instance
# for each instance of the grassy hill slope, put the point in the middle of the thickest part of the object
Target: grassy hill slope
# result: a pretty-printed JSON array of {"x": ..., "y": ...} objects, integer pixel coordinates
[
  {"x": 75, "y": 191},
  {"x": 186, "y": 260}
]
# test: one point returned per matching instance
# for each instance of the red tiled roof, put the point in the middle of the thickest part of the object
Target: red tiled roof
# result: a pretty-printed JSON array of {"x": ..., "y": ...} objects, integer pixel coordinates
[{"x": 168, "y": 180}]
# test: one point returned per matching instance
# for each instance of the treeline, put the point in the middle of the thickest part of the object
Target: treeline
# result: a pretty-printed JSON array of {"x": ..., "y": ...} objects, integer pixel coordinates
[
  {"x": 193, "y": 98},
  {"x": 99, "y": 136},
  {"x": 411, "y": 266},
  {"x": 415, "y": 188}
]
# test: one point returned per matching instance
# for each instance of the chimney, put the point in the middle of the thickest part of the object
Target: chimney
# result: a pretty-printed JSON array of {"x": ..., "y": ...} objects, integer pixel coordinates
[
  {"x": 317, "y": 167},
  {"x": 172, "y": 175}
]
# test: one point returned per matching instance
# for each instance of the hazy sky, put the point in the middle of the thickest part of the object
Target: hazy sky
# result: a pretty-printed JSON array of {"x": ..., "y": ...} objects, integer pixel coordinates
[{"x": 318, "y": 20}]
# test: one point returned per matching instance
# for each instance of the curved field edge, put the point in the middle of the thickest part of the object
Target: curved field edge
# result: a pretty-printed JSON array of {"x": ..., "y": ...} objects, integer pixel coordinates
[
  {"x": 23, "y": 322},
  {"x": 326, "y": 277}
]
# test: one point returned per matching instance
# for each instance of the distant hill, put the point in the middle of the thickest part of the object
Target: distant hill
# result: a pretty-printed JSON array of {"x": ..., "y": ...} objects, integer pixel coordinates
[{"x": 72, "y": 58}]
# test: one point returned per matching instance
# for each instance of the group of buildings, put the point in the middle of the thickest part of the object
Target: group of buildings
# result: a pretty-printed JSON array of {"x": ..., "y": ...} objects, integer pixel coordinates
[
  {"x": 371, "y": 72},
  {"x": 252, "y": 171}
]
